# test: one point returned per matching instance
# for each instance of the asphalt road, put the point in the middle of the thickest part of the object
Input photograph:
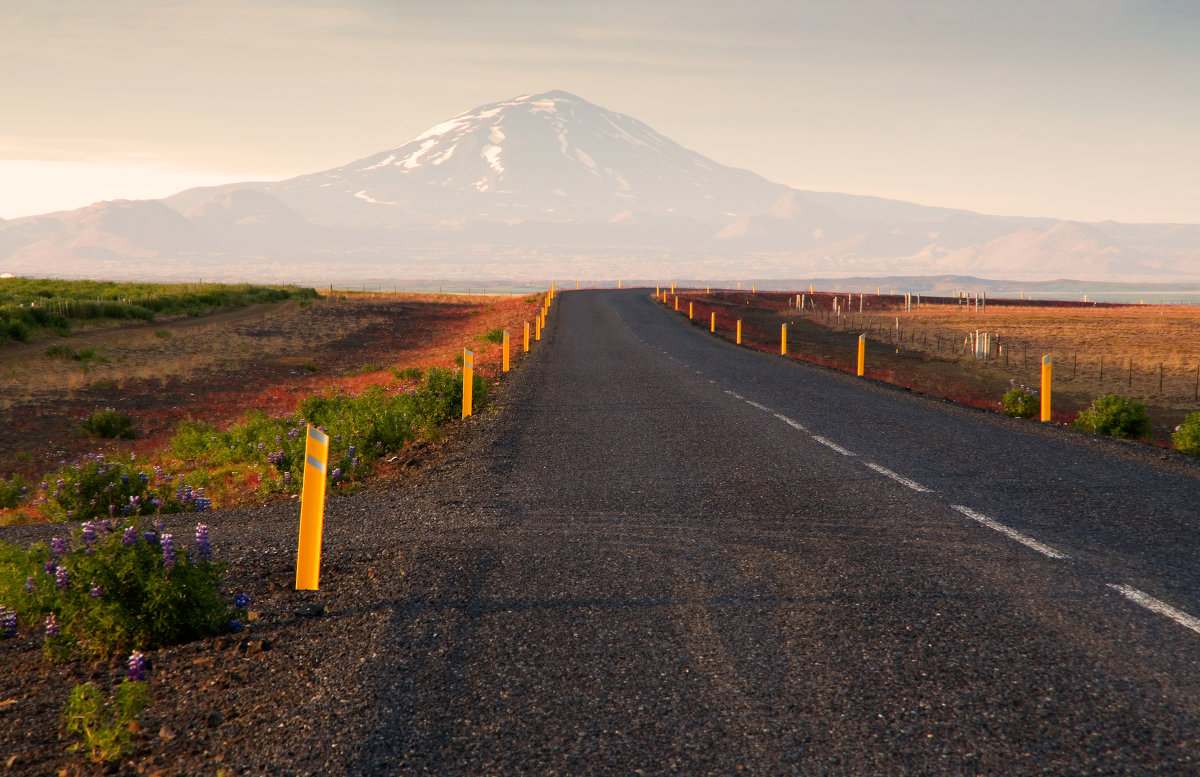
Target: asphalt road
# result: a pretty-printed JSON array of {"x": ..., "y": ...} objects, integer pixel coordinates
[{"x": 674, "y": 555}]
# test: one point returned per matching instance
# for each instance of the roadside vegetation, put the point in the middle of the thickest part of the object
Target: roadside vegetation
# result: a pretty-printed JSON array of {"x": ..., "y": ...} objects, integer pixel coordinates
[{"x": 31, "y": 306}]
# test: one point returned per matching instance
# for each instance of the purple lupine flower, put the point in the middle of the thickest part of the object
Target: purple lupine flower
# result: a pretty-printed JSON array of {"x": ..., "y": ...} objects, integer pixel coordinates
[
  {"x": 50, "y": 566},
  {"x": 235, "y": 626},
  {"x": 337, "y": 473},
  {"x": 144, "y": 478},
  {"x": 137, "y": 667},
  {"x": 45, "y": 486},
  {"x": 106, "y": 524},
  {"x": 130, "y": 537},
  {"x": 51, "y": 626},
  {"x": 30, "y": 586},
  {"x": 287, "y": 478},
  {"x": 168, "y": 550},
  {"x": 97, "y": 591},
  {"x": 352, "y": 451},
  {"x": 125, "y": 478},
  {"x": 203, "y": 504},
  {"x": 58, "y": 546},
  {"x": 8, "y": 622},
  {"x": 203, "y": 546},
  {"x": 151, "y": 538},
  {"x": 62, "y": 578},
  {"x": 89, "y": 535},
  {"x": 241, "y": 601}
]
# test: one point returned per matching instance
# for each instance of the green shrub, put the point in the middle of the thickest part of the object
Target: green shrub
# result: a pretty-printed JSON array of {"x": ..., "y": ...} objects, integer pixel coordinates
[
  {"x": 105, "y": 724},
  {"x": 59, "y": 352},
  {"x": 407, "y": 373},
  {"x": 12, "y": 492},
  {"x": 115, "y": 589},
  {"x": 1115, "y": 416},
  {"x": 493, "y": 336},
  {"x": 1187, "y": 435},
  {"x": 1020, "y": 402},
  {"x": 110, "y": 424},
  {"x": 102, "y": 488}
]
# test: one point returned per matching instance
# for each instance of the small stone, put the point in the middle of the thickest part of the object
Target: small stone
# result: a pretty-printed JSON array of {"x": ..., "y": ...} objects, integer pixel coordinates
[
  {"x": 203, "y": 661},
  {"x": 237, "y": 677},
  {"x": 166, "y": 734},
  {"x": 252, "y": 616},
  {"x": 134, "y": 727},
  {"x": 311, "y": 610},
  {"x": 215, "y": 719}
]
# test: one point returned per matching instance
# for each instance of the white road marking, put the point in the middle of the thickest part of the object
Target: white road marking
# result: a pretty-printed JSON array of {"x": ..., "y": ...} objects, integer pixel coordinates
[
  {"x": 833, "y": 445},
  {"x": 790, "y": 422},
  {"x": 763, "y": 408},
  {"x": 1154, "y": 605},
  {"x": 733, "y": 394},
  {"x": 1028, "y": 542},
  {"x": 914, "y": 485}
]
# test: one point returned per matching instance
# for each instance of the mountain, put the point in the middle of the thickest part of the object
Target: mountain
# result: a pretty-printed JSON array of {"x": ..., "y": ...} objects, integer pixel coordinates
[{"x": 551, "y": 186}]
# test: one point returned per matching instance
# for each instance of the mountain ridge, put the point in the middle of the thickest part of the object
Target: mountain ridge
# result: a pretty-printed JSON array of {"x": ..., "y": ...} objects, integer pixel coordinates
[{"x": 545, "y": 179}]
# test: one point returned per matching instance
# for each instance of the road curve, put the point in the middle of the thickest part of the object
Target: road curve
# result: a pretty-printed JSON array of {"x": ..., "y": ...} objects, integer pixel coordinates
[{"x": 680, "y": 556}]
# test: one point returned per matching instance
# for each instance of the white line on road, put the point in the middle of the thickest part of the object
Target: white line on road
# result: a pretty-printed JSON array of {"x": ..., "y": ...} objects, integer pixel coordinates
[
  {"x": 733, "y": 394},
  {"x": 833, "y": 445},
  {"x": 790, "y": 422},
  {"x": 914, "y": 485},
  {"x": 763, "y": 408},
  {"x": 1154, "y": 605},
  {"x": 1028, "y": 542}
]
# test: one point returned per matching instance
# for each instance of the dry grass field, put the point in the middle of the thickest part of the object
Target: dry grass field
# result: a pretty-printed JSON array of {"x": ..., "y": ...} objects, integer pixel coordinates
[
  {"x": 214, "y": 368},
  {"x": 1097, "y": 349}
]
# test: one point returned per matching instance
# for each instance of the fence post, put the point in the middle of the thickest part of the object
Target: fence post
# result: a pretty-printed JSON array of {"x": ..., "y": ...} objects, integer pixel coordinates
[
  {"x": 1047, "y": 363},
  {"x": 468, "y": 381},
  {"x": 862, "y": 353},
  {"x": 312, "y": 510}
]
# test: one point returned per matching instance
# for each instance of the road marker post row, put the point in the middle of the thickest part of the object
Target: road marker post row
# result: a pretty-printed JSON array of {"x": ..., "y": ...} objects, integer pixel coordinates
[{"x": 312, "y": 510}]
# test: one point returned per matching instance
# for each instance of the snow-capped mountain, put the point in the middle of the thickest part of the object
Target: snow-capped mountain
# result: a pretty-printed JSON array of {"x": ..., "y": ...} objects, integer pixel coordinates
[
  {"x": 550, "y": 185},
  {"x": 543, "y": 157}
]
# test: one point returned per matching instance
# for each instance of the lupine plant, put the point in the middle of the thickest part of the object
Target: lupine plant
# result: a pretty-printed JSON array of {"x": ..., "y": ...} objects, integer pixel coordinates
[
  {"x": 1020, "y": 401},
  {"x": 125, "y": 589}
]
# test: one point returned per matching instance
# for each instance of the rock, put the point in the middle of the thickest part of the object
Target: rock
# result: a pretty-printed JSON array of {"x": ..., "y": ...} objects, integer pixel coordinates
[
  {"x": 166, "y": 734},
  {"x": 311, "y": 610},
  {"x": 252, "y": 616},
  {"x": 215, "y": 719},
  {"x": 203, "y": 661}
]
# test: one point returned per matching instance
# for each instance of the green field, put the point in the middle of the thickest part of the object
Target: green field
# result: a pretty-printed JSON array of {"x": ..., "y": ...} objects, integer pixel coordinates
[{"x": 30, "y": 306}]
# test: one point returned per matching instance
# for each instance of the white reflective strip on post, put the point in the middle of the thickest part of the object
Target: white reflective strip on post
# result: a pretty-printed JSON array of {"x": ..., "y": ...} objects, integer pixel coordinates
[
  {"x": 315, "y": 463},
  {"x": 318, "y": 435}
]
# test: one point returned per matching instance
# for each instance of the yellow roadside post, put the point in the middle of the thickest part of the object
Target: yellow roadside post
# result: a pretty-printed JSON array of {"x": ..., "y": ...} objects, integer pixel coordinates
[
  {"x": 677, "y": 303},
  {"x": 537, "y": 332},
  {"x": 862, "y": 354},
  {"x": 526, "y": 337},
  {"x": 810, "y": 288},
  {"x": 739, "y": 332},
  {"x": 468, "y": 380},
  {"x": 1046, "y": 368},
  {"x": 505, "y": 358},
  {"x": 618, "y": 283},
  {"x": 689, "y": 311},
  {"x": 783, "y": 340},
  {"x": 712, "y": 322},
  {"x": 657, "y": 291},
  {"x": 312, "y": 510}
]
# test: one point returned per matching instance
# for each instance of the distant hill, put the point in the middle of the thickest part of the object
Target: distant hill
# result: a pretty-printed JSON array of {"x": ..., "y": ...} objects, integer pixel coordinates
[{"x": 552, "y": 186}]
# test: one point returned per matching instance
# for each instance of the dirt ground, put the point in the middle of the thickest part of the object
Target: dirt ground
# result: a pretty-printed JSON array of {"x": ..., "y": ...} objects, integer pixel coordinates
[
  {"x": 216, "y": 367},
  {"x": 925, "y": 348}
]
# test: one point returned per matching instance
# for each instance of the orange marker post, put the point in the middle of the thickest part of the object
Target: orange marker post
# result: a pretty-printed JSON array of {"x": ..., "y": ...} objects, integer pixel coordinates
[
  {"x": 690, "y": 306},
  {"x": 468, "y": 381},
  {"x": 739, "y": 331},
  {"x": 712, "y": 322},
  {"x": 862, "y": 354},
  {"x": 1047, "y": 365},
  {"x": 526, "y": 337},
  {"x": 537, "y": 330},
  {"x": 505, "y": 358},
  {"x": 312, "y": 510},
  {"x": 783, "y": 340}
]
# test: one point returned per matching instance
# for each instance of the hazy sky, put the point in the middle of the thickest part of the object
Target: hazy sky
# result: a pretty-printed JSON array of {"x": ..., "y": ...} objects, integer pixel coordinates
[{"x": 1081, "y": 109}]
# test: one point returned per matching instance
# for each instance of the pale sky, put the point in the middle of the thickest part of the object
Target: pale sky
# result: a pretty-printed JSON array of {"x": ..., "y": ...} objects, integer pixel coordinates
[{"x": 1079, "y": 109}]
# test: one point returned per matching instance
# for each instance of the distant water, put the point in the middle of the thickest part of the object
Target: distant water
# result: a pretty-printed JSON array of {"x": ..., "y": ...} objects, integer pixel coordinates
[{"x": 1126, "y": 297}]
